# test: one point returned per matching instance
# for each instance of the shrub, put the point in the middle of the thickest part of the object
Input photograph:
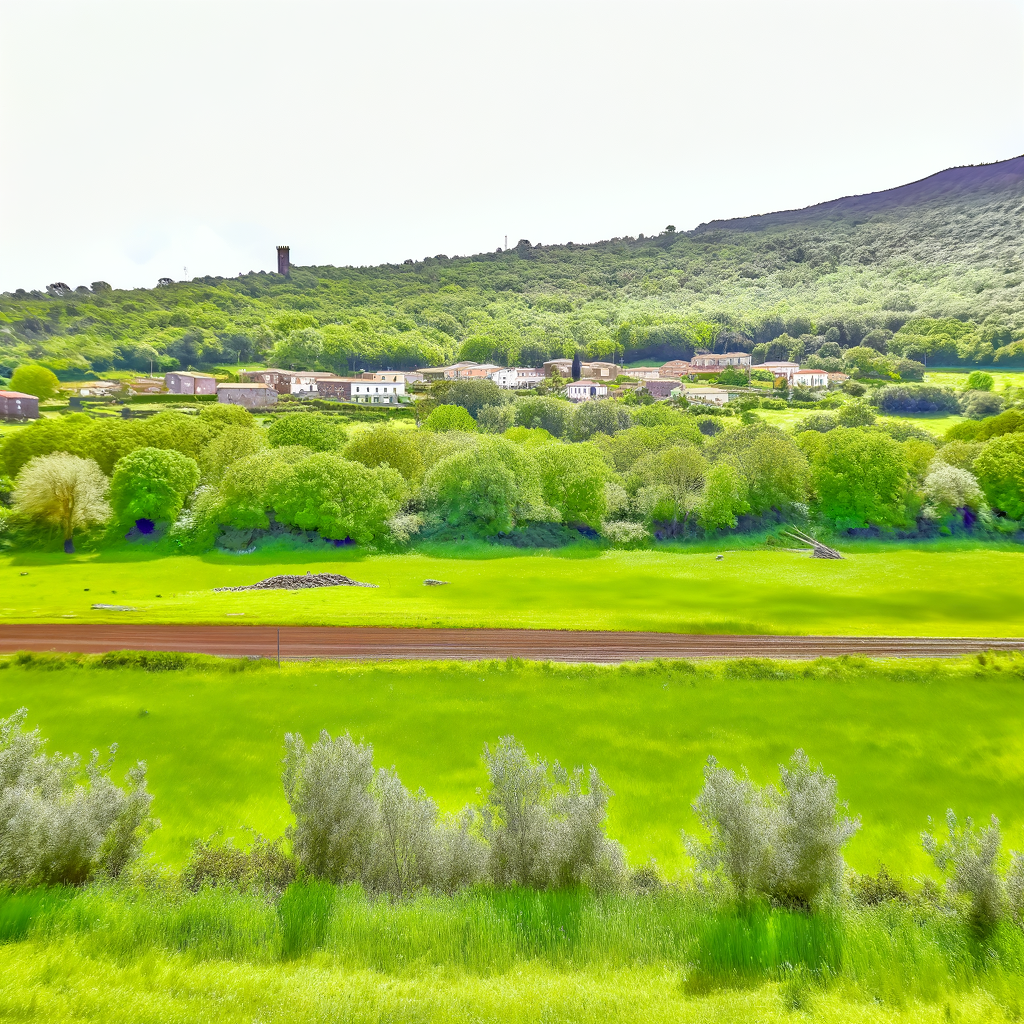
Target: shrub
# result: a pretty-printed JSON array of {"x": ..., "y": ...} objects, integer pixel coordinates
[
  {"x": 978, "y": 380},
  {"x": 598, "y": 417},
  {"x": 621, "y": 533},
  {"x": 383, "y": 445},
  {"x": 856, "y": 414},
  {"x": 552, "y": 414},
  {"x": 773, "y": 403},
  {"x": 823, "y": 422},
  {"x": 449, "y": 417},
  {"x": 969, "y": 859},
  {"x": 573, "y": 477},
  {"x": 471, "y": 395},
  {"x": 901, "y": 398},
  {"x": 354, "y": 824},
  {"x": 215, "y": 862},
  {"x": 337, "y": 498},
  {"x": 496, "y": 419},
  {"x": 312, "y": 430},
  {"x": 977, "y": 405},
  {"x": 948, "y": 489},
  {"x": 545, "y": 830},
  {"x": 57, "y": 828},
  {"x": 782, "y": 842}
]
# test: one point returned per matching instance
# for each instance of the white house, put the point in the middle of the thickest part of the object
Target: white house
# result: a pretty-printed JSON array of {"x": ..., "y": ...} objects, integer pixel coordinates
[
  {"x": 704, "y": 362},
  {"x": 810, "y": 378},
  {"x": 707, "y": 396},
  {"x": 517, "y": 377},
  {"x": 585, "y": 390},
  {"x": 360, "y": 389},
  {"x": 779, "y": 368},
  {"x": 642, "y": 372}
]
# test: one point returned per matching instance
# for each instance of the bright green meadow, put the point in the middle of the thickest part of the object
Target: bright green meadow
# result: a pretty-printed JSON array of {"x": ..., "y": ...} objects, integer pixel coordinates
[
  {"x": 929, "y": 589},
  {"x": 905, "y": 739}
]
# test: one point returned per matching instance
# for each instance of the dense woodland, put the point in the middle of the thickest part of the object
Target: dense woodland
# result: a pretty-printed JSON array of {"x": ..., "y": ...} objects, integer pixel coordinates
[{"x": 928, "y": 273}]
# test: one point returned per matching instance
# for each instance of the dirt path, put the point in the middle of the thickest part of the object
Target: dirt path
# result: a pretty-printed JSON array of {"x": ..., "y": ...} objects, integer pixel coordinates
[{"x": 300, "y": 642}]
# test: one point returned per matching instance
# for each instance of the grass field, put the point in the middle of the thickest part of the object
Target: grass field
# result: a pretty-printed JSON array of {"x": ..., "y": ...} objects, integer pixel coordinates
[
  {"x": 905, "y": 739},
  {"x": 939, "y": 589},
  {"x": 956, "y": 377}
]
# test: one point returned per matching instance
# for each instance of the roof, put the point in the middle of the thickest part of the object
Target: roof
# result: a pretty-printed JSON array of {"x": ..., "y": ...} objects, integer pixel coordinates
[
  {"x": 706, "y": 391},
  {"x": 775, "y": 362},
  {"x": 588, "y": 382},
  {"x": 719, "y": 355},
  {"x": 16, "y": 394},
  {"x": 189, "y": 373},
  {"x": 346, "y": 380},
  {"x": 266, "y": 387},
  {"x": 798, "y": 372}
]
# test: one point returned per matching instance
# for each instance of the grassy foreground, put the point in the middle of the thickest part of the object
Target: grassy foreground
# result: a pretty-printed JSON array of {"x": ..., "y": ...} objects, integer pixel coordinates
[
  {"x": 923, "y": 590},
  {"x": 905, "y": 739},
  {"x": 157, "y": 953}
]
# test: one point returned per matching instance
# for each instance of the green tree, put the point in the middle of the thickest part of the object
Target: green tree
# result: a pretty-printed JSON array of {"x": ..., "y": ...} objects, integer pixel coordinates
[
  {"x": 244, "y": 492},
  {"x": 550, "y": 414},
  {"x": 860, "y": 477},
  {"x": 312, "y": 430},
  {"x": 572, "y": 480},
  {"x": 856, "y": 414},
  {"x": 338, "y": 498},
  {"x": 152, "y": 484},
  {"x": 773, "y": 467},
  {"x": 598, "y": 417},
  {"x": 32, "y": 379},
  {"x": 63, "y": 491},
  {"x": 724, "y": 496},
  {"x": 491, "y": 487},
  {"x": 449, "y": 417},
  {"x": 667, "y": 484},
  {"x": 383, "y": 445},
  {"x": 1000, "y": 471},
  {"x": 978, "y": 380},
  {"x": 230, "y": 445},
  {"x": 472, "y": 395}
]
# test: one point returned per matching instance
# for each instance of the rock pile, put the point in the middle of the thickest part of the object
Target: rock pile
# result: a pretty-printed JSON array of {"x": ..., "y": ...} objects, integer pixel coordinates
[{"x": 321, "y": 579}]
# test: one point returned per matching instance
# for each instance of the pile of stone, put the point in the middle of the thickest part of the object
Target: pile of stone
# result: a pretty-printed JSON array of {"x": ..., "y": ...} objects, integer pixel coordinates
[{"x": 320, "y": 579}]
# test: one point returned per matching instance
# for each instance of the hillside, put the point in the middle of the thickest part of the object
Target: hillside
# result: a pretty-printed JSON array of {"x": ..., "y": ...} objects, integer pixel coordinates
[{"x": 912, "y": 258}]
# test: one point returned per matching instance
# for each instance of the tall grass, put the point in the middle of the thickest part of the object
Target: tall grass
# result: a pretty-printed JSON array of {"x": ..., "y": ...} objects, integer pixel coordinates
[{"x": 894, "y": 953}]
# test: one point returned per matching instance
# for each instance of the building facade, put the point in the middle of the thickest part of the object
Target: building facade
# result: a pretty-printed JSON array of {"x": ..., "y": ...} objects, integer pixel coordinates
[
  {"x": 708, "y": 396},
  {"x": 779, "y": 368},
  {"x": 362, "y": 390},
  {"x": 518, "y": 377},
  {"x": 247, "y": 395},
  {"x": 181, "y": 383},
  {"x": 15, "y": 405},
  {"x": 586, "y": 390},
  {"x": 595, "y": 370},
  {"x": 708, "y": 362},
  {"x": 810, "y": 378}
]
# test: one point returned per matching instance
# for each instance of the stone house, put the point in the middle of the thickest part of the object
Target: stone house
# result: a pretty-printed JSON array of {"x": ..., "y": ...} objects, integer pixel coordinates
[
  {"x": 248, "y": 395},
  {"x": 181, "y": 383},
  {"x": 15, "y": 405}
]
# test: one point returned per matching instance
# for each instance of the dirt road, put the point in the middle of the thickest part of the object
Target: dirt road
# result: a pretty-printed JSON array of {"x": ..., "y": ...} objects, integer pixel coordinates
[{"x": 303, "y": 642}]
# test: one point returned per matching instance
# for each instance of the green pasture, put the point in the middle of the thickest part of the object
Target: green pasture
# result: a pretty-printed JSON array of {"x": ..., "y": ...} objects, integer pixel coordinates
[
  {"x": 934, "y": 423},
  {"x": 905, "y": 739},
  {"x": 956, "y": 376},
  {"x": 921, "y": 590}
]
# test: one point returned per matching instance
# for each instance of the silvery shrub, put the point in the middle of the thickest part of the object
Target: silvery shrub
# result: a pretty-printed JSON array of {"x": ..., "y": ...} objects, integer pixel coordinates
[
  {"x": 60, "y": 822},
  {"x": 969, "y": 858},
  {"x": 353, "y": 823},
  {"x": 545, "y": 828},
  {"x": 782, "y": 842}
]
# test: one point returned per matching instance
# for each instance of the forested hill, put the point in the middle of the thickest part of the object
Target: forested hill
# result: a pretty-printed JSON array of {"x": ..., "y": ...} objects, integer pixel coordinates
[{"x": 932, "y": 269}]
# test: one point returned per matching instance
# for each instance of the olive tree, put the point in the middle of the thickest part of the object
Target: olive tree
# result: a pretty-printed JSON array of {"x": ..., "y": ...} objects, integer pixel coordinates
[
  {"x": 573, "y": 478},
  {"x": 784, "y": 842},
  {"x": 969, "y": 858},
  {"x": 64, "y": 491},
  {"x": 1000, "y": 471},
  {"x": 545, "y": 825},
  {"x": 62, "y": 823}
]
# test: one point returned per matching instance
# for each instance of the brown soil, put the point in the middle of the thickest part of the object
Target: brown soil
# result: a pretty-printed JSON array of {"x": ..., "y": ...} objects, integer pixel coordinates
[{"x": 370, "y": 642}]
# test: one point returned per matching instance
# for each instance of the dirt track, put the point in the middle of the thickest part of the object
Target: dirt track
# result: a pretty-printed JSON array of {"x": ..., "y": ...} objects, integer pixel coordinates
[{"x": 302, "y": 642}]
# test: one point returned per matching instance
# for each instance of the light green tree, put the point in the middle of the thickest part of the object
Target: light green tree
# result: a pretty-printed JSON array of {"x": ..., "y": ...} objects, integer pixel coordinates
[
  {"x": 385, "y": 446},
  {"x": 449, "y": 417},
  {"x": 573, "y": 478},
  {"x": 312, "y": 430},
  {"x": 32, "y": 379},
  {"x": 64, "y": 491},
  {"x": 1000, "y": 471}
]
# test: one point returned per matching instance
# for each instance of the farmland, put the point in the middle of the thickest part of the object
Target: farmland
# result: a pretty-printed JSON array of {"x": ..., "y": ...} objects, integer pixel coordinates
[{"x": 942, "y": 588}]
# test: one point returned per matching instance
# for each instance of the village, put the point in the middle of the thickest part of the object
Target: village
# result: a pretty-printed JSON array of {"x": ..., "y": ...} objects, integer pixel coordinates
[{"x": 695, "y": 380}]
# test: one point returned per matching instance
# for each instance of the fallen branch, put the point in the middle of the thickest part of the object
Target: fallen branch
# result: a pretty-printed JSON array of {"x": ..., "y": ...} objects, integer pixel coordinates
[{"x": 818, "y": 550}]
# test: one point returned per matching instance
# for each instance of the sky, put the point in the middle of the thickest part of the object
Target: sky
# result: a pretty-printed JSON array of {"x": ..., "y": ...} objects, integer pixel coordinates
[{"x": 164, "y": 138}]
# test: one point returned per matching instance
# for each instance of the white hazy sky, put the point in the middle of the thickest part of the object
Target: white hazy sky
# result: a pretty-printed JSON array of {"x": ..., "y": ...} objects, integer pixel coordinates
[{"x": 139, "y": 138}]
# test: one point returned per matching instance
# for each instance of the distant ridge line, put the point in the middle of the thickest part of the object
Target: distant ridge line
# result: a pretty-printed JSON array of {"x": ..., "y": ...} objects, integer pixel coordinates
[{"x": 999, "y": 175}]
